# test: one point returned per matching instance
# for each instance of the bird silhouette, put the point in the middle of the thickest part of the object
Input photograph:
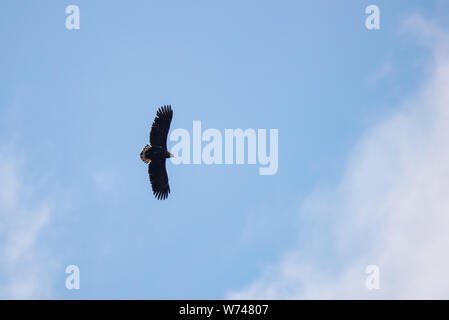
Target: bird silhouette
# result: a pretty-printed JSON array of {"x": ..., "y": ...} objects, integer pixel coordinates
[{"x": 156, "y": 153}]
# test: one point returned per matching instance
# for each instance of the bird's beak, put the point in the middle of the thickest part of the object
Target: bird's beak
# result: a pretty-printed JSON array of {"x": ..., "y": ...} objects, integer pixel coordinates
[{"x": 172, "y": 156}]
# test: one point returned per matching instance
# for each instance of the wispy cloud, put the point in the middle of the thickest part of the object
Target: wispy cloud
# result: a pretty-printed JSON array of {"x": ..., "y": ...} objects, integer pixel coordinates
[
  {"x": 23, "y": 266},
  {"x": 391, "y": 207}
]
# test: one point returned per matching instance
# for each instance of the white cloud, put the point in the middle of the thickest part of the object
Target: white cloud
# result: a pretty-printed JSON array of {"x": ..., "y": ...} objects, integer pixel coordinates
[
  {"x": 390, "y": 209},
  {"x": 23, "y": 266}
]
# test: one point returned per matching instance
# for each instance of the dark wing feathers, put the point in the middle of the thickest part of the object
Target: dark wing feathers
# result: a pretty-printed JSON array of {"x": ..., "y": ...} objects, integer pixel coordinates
[
  {"x": 159, "y": 179},
  {"x": 160, "y": 127},
  {"x": 158, "y": 137}
]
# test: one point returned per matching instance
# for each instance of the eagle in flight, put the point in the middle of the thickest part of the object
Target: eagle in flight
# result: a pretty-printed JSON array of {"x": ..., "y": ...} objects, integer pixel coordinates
[{"x": 156, "y": 154}]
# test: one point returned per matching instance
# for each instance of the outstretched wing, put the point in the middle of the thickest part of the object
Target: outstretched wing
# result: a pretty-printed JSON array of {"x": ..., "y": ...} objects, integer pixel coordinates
[
  {"x": 159, "y": 179},
  {"x": 160, "y": 127}
]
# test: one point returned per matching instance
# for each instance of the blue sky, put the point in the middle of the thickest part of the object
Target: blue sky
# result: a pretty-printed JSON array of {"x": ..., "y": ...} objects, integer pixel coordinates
[{"x": 76, "y": 107}]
